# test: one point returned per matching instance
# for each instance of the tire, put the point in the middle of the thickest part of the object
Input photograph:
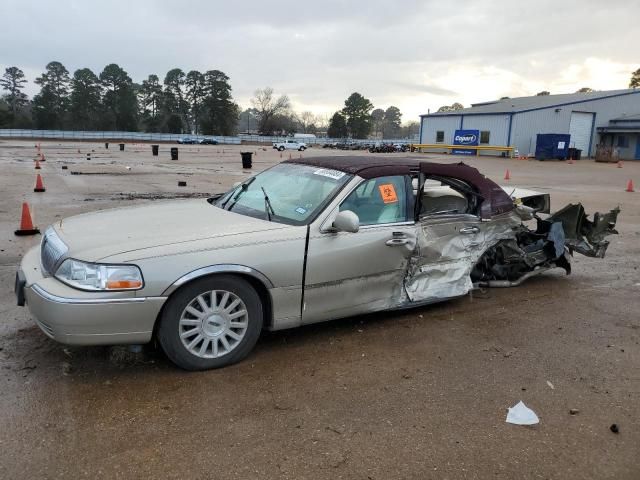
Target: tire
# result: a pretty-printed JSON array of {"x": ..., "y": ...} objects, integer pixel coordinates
[
  {"x": 280, "y": 149},
  {"x": 302, "y": 149},
  {"x": 178, "y": 321}
]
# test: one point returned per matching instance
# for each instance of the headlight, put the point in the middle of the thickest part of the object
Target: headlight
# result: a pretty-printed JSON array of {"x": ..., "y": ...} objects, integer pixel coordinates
[{"x": 97, "y": 276}]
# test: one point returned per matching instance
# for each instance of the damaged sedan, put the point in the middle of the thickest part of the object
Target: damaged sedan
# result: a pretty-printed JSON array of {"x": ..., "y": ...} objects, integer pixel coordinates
[{"x": 302, "y": 242}]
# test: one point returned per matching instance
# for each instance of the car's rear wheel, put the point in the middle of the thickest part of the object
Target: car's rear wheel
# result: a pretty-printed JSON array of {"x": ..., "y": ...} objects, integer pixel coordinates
[
  {"x": 301, "y": 149},
  {"x": 280, "y": 149},
  {"x": 211, "y": 322}
]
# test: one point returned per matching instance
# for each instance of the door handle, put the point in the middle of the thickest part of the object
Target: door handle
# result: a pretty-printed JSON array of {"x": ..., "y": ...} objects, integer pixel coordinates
[
  {"x": 469, "y": 230},
  {"x": 398, "y": 238}
]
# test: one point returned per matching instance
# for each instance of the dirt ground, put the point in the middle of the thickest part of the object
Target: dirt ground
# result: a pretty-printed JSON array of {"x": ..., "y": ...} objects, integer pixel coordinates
[{"x": 419, "y": 394}]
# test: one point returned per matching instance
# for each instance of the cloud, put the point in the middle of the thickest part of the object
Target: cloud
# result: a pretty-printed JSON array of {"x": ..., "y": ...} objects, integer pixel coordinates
[{"x": 417, "y": 55}]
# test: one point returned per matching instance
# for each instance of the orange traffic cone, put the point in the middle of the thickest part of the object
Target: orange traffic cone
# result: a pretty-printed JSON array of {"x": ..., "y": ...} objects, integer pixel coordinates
[
  {"x": 39, "y": 185},
  {"x": 630, "y": 186},
  {"x": 619, "y": 163},
  {"x": 26, "y": 225},
  {"x": 42, "y": 159},
  {"x": 37, "y": 164},
  {"x": 507, "y": 175}
]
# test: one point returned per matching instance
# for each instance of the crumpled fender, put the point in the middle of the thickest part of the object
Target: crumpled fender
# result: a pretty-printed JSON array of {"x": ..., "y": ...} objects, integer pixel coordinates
[{"x": 581, "y": 234}]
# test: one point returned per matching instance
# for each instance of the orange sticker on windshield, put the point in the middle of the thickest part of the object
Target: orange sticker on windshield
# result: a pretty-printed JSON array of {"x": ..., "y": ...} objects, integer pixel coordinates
[{"x": 388, "y": 193}]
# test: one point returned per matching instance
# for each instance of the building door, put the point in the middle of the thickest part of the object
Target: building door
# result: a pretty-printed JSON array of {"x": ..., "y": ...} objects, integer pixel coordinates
[
  {"x": 637, "y": 155},
  {"x": 580, "y": 128}
]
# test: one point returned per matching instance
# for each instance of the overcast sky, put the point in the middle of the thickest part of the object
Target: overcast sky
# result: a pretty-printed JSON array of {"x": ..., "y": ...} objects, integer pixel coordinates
[{"x": 417, "y": 55}]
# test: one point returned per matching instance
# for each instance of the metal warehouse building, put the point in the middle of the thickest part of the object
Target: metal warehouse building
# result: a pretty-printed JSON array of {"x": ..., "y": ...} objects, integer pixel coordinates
[{"x": 608, "y": 118}]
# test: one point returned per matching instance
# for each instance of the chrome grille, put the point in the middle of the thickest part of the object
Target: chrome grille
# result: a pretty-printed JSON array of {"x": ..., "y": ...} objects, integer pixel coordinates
[{"x": 51, "y": 250}]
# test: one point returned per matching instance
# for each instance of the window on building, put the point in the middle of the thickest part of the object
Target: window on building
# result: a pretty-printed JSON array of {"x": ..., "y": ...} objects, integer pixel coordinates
[
  {"x": 439, "y": 136},
  {"x": 623, "y": 141},
  {"x": 485, "y": 135}
]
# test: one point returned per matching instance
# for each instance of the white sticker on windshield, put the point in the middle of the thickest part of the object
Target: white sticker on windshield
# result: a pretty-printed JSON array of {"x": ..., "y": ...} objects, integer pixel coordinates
[
  {"x": 335, "y": 174},
  {"x": 301, "y": 210}
]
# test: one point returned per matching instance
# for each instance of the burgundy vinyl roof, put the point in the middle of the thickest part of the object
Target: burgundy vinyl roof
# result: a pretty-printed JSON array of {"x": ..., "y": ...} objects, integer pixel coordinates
[
  {"x": 494, "y": 200},
  {"x": 366, "y": 167}
]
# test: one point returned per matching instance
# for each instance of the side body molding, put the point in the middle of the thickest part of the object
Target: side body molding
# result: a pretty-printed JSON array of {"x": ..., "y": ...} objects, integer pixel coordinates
[{"x": 222, "y": 268}]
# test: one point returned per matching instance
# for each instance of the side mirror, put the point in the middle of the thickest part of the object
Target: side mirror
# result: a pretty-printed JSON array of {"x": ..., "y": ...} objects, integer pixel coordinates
[{"x": 346, "y": 221}]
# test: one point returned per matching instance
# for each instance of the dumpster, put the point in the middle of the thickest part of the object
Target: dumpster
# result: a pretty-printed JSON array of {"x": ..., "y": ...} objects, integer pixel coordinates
[
  {"x": 552, "y": 146},
  {"x": 106, "y": 145},
  {"x": 174, "y": 153},
  {"x": 122, "y": 147},
  {"x": 246, "y": 159},
  {"x": 154, "y": 150}
]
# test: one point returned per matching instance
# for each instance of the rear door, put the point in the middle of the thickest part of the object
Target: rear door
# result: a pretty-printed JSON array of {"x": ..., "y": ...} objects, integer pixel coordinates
[
  {"x": 448, "y": 247},
  {"x": 451, "y": 238}
]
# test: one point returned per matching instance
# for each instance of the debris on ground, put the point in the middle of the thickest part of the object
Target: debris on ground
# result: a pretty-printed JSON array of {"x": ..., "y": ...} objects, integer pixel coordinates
[
  {"x": 574, "y": 411},
  {"x": 550, "y": 385},
  {"x": 614, "y": 428},
  {"x": 520, "y": 414},
  {"x": 67, "y": 369}
]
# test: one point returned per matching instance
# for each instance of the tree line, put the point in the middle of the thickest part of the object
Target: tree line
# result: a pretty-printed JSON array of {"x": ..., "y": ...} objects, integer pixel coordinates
[
  {"x": 359, "y": 119},
  {"x": 192, "y": 102},
  {"x": 110, "y": 100}
]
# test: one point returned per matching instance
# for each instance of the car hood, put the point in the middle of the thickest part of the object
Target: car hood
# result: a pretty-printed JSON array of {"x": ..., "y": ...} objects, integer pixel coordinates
[{"x": 94, "y": 236}]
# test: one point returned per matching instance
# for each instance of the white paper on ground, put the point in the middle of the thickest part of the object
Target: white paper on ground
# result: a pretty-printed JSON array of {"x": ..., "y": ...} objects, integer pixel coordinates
[{"x": 520, "y": 414}]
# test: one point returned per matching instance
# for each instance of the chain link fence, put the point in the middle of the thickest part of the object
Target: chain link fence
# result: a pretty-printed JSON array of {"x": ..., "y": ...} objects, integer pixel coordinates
[{"x": 172, "y": 137}]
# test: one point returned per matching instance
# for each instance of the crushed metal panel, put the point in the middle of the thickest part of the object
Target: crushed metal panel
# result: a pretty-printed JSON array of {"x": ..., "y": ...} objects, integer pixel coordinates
[
  {"x": 581, "y": 234},
  {"x": 444, "y": 257}
]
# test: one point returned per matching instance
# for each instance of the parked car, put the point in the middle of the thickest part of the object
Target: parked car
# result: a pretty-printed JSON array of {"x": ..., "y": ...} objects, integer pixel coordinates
[
  {"x": 302, "y": 242},
  {"x": 187, "y": 141},
  {"x": 208, "y": 141},
  {"x": 290, "y": 145}
]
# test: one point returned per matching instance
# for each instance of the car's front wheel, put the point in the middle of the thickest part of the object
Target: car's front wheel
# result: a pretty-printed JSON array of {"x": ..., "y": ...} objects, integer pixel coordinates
[
  {"x": 211, "y": 322},
  {"x": 301, "y": 149},
  {"x": 280, "y": 149}
]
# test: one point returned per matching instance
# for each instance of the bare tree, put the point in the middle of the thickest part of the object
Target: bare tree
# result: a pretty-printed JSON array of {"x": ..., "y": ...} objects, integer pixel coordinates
[
  {"x": 306, "y": 119},
  {"x": 268, "y": 107}
]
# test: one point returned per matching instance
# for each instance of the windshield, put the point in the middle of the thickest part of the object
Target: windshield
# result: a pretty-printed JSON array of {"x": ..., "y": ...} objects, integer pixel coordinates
[{"x": 287, "y": 193}]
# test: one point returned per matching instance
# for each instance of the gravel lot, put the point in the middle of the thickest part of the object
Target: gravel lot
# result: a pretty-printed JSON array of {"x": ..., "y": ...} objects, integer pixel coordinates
[{"x": 418, "y": 394}]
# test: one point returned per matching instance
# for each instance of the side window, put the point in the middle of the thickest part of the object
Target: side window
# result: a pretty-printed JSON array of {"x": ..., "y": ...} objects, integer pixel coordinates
[
  {"x": 623, "y": 141},
  {"x": 440, "y": 136},
  {"x": 379, "y": 200},
  {"x": 441, "y": 199},
  {"x": 485, "y": 135}
]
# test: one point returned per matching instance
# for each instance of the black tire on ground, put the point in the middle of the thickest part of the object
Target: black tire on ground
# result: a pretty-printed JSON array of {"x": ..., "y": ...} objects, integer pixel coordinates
[
  {"x": 168, "y": 331},
  {"x": 280, "y": 149},
  {"x": 301, "y": 149}
]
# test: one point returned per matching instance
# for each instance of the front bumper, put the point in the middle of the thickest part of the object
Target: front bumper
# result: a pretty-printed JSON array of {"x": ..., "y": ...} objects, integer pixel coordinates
[{"x": 75, "y": 317}]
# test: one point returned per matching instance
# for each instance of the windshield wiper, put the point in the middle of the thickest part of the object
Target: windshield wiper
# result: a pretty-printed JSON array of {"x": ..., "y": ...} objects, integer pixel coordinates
[
  {"x": 241, "y": 189},
  {"x": 267, "y": 205}
]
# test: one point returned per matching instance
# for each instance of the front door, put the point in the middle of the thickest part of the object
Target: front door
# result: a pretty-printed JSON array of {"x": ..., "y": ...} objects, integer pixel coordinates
[
  {"x": 637, "y": 155},
  {"x": 352, "y": 273}
]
